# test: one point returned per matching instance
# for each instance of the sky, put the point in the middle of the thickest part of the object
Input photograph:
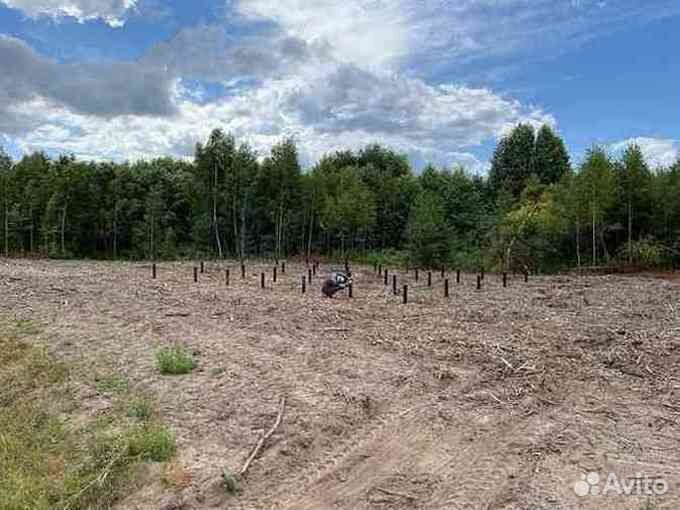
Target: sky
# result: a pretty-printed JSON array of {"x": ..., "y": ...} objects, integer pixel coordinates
[{"x": 437, "y": 80}]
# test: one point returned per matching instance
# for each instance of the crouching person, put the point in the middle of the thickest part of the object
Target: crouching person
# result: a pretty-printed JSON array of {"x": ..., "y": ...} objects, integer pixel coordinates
[{"x": 336, "y": 282}]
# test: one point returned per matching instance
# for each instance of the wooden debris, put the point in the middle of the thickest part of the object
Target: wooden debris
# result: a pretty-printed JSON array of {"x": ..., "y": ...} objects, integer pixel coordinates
[
  {"x": 395, "y": 493},
  {"x": 264, "y": 438}
]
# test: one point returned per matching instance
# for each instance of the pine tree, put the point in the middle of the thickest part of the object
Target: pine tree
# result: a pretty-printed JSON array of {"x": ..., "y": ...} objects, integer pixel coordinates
[
  {"x": 512, "y": 161},
  {"x": 551, "y": 160}
]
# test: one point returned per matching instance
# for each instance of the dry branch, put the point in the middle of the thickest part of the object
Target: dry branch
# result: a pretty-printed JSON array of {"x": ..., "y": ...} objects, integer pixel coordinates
[
  {"x": 507, "y": 363},
  {"x": 496, "y": 398},
  {"x": 395, "y": 493},
  {"x": 264, "y": 438}
]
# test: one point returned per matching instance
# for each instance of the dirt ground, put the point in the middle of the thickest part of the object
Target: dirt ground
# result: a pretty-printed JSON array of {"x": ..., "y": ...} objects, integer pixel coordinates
[{"x": 492, "y": 398}]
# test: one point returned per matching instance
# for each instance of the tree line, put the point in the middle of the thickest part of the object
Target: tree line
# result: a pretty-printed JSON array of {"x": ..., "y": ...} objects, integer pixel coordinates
[{"x": 535, "y": 209}]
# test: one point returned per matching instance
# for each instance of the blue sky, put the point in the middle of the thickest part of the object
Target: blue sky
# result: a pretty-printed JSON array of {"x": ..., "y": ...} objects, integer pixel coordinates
[{"x": 438, "y": 80}]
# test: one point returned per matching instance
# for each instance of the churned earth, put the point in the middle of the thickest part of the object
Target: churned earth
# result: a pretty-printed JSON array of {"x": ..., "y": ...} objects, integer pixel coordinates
[{"x": 491, "y": 398}]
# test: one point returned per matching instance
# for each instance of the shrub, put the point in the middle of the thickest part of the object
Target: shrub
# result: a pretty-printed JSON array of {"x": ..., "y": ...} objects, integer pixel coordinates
[
  {"x": 646, "y": 252},
  {"x": 151, "y": 442},
  {"x": 174, "y": 361},
  {"x": 386, "y": 258}
]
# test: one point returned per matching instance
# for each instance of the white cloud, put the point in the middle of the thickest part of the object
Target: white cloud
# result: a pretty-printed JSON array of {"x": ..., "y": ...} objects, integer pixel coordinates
[
  {"x": 429, "y": 123},
  {"x": 332, "y": 73},
  {"x": 436, "y": 34},
  {"x": 364, "y": 32},
  {"x": 657, "y": 151},
  {"x": 110, "y": 11}
]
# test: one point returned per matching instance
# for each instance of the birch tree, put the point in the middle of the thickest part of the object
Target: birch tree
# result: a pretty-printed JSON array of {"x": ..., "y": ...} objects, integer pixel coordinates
[
  {"x": 598, "y": 186},
  {"x": 634, "y": 179},
  {"x": 5, "y": 179}
]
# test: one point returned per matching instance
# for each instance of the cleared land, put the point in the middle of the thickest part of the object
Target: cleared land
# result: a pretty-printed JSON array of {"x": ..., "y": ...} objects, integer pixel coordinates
[{"x": 499, "y": 398}]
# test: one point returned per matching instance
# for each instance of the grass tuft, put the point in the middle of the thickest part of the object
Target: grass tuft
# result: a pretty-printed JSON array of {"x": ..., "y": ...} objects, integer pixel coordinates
[
  {"x": 47, "y": 462},
  {"x": 151, "y": 442},
  {"x": 139, "y": 408},
  {"x": 174, "y": 361},
  {"x": 111, "y": 384}
]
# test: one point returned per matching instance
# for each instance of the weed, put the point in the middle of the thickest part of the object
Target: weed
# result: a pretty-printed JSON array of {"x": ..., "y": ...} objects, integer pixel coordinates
[
  {"x": 140, "y": 408},
  {"x": 44, "y": 464},
  {"x": 648, "y": 505},
  {"x": 111, "y": 384},
  {"x": 230, "y": 482},
  {"x": 151, "y": 442},
  {"x": 174, "y": 361}
]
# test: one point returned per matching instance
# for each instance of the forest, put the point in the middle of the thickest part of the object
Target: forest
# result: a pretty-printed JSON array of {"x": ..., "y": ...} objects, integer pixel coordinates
[{"x": 535, "y": 209}]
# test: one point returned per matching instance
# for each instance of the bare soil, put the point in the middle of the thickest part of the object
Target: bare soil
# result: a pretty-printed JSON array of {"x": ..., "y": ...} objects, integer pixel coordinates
[{"x": 497, "y": 398}]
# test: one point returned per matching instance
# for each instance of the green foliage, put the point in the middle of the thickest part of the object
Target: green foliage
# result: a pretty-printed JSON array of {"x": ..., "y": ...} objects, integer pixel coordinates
[
  {"x": 349, "y": 206},
  {"x": 429, "y": 238},
  {"x": 232, "y": 202},
  {"x": 385, "y": 258},
  {"x": 665, "y": 217},
  {"x": 111, "y": 384},
  {"x": 528, "y": 232},
  {"x": 174, "y": 361},
  {"x": 597, "y": 184},
  {"x": 151, "y": 442},
  {"x": 44, "y": 464},
  {"x": 513, "y": 160},
  {"x": 551, "y": 160},
  {"x": 634, "y": 181},
  {"x": 279, "y": 189},
  {"x": 645, "y": 252},
  {"x": 139, "y": 408},
  {"x": 230, "y": 482}
]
